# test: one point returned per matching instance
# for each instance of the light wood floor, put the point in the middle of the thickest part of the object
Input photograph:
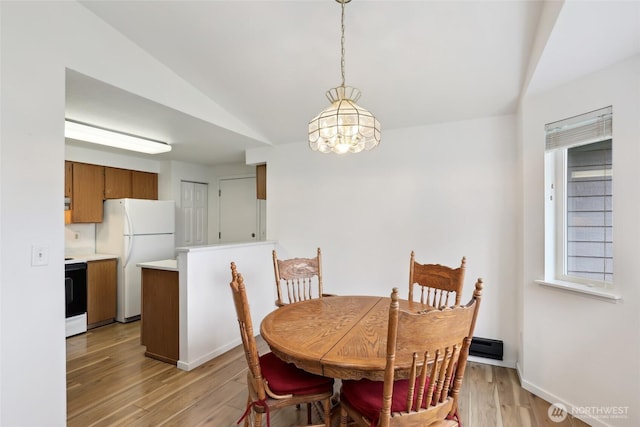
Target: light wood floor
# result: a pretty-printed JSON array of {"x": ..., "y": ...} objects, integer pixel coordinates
[{"x": 111, "y": 383}]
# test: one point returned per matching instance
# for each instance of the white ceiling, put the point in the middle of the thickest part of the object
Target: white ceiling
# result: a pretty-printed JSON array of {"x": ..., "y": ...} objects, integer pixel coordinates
[{"x": 269, "y": 63}]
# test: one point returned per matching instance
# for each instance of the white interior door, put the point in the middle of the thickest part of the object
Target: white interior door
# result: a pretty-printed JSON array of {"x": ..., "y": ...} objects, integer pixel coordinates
[
  {"x": 200, "y": 213},
  {"x": 238, "y": 210},
  {"x": 193, "y": 214}
]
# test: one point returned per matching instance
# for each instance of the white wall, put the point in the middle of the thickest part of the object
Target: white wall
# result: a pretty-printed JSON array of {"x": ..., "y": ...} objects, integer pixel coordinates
[
  {"x": 445, "y": 191},
  {"x": 39, "y": 40},
  {"x": 124, "y": 159},
  {"x": 577, "y": 350},
  {"x": 32, "y": 364},
  {"x": 205, "y": 275}
]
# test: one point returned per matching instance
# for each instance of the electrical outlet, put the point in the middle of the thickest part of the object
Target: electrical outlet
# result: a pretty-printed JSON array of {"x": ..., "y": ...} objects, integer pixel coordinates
[{"x": 39, "y": 255}]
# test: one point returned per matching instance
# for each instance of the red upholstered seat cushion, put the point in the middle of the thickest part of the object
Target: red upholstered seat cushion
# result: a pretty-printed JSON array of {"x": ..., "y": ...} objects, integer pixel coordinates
[
  {"x": 366, "y": 396},
  {"x": 286, "y": 378}
]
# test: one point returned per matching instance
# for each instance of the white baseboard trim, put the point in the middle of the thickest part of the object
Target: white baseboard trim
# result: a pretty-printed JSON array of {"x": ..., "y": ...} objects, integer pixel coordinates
[
  {"x": 187, "y": 366},
  {"x": 552, "y": 398},
  {"x": 494, "y": 362}
]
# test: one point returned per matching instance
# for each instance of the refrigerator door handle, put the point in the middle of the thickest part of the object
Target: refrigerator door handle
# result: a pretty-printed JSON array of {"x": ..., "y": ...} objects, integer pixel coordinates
[
  {"x": 127, "y": 255},
  {"x": 129, "y": 238}
]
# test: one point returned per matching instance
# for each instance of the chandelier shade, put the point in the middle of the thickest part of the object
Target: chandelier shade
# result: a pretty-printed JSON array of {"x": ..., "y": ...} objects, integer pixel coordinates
[{"x": 344, "y": 126}]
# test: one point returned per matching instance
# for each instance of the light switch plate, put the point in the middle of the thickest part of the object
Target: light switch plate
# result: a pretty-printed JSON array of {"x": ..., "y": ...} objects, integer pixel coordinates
[{"x": 39, "y": 255}]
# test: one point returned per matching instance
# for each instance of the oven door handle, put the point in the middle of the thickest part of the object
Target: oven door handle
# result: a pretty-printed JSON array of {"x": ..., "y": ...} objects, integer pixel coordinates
[{"x": 68, "y": 289}]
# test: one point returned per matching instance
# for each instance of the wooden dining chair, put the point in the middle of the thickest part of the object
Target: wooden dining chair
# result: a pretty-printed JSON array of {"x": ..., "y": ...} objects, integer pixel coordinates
[
  {"x": 437, "y": 282},
  {"x": 298, "y": 279},
  {"x": 436, "y": 341},
  {"x": 272, "y": 383}
]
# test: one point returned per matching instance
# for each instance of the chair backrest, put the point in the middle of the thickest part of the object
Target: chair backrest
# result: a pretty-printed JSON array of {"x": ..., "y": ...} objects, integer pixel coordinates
[
  {"x": 437, "y": 282},
  {"x": 437, "y": 340},
  {"x": 246, "y": 331},
  {"x": 297, "y": 279}
]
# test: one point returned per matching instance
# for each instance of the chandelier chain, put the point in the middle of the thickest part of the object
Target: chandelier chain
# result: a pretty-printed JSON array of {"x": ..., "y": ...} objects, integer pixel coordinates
[
  {"x": 343, "y": 127},
  {"x": 342, "y": 44}
]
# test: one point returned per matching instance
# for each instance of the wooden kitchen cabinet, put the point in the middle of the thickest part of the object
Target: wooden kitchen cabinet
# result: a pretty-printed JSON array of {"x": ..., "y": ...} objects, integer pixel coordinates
[
  {"x": 68, "y": 178},
  {"x": 160, "y": 323},
  {"x": 68, "y": 190},
  {"x": 144, "y": 185},
  {"x": 101, "y": 292},
  {"x": 117, "y": 183},
  {"x": 261, "y": 182},
  {"x": 123, "y": 183},
  {"x": 87, "y": 192},
  {"x": 87, "y": 185}
]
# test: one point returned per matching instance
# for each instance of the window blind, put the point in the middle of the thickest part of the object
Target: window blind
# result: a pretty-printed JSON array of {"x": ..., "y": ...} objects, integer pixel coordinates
[
  {"x": 584, "y": 129},
  {"x": 589, "y": 212}
]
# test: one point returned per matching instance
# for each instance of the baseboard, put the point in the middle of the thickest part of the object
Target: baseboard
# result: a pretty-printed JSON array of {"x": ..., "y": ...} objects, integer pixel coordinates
[
  {"x": 502, "y": 363},
  {"x": 189, "y": 365},
  {"x": 553, "y": 399}
]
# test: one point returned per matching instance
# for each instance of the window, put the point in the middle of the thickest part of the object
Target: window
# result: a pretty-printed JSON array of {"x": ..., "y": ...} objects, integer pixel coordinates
[{"x": 579, "y": 207}]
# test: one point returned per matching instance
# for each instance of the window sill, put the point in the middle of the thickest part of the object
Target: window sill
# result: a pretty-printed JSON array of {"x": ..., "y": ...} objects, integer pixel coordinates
[{"x": 594, "y": 291}]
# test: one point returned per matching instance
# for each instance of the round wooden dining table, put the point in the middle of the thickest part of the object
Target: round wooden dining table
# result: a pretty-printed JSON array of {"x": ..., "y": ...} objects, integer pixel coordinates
[{"x": 339, "y": 336}]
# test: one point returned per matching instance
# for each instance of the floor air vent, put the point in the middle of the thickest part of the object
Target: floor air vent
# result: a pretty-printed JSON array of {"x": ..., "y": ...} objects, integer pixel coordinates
[{"x": 484, "y": 347}]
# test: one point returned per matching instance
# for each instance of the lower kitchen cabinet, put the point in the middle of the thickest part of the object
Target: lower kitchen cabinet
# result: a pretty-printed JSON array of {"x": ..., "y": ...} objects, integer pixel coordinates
[
  {"x": 160, "y": 328},
  {"x": 101, "y": 292}
]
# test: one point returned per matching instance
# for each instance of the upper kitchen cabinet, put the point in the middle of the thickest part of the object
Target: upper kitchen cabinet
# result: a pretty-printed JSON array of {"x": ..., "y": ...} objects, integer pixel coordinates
[
  {"x": 144, "y": 185},
  {"x": 68, "y": 179},
  {"x": 87, "y": 185},
  {"x": 117, "y": 183},
  {"x": 68, "y": 189},
  {"x": 87, "y": 192},
  {"x": 124, "y": 183},
  {"x": 261, "y": 182}
]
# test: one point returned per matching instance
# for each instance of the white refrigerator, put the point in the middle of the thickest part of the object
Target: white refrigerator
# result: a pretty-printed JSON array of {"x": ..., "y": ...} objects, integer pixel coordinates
[{"x": 136, "y": 231}]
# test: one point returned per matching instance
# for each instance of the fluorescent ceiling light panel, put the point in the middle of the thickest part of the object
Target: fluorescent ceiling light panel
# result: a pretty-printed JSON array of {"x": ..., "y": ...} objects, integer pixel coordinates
[{"x": 96, "y": 135}]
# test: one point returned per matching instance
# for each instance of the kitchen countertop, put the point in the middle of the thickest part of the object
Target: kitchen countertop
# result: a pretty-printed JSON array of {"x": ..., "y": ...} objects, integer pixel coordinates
[
  {"x": 87, "y": 257},
  {"x": 165, "y": 264}
]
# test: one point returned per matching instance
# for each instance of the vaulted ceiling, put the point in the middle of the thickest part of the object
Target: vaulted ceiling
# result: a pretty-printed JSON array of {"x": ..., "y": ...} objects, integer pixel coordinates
[{"x": 269, "y": 63}]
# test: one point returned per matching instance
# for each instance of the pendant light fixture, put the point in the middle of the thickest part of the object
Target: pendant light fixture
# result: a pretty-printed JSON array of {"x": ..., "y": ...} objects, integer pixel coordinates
[{"x": 343, "y": 127}]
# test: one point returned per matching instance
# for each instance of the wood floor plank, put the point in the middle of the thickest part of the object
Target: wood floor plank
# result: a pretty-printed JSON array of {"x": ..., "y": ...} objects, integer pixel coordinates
[
  {"x": 202, "y": 411},
  {"x": 119, "y": 402},
  {"x": 120, "y": 380},
  {"x": 482, "y": 410},
  {"x": 526, "y": 417},
  {"x": 506, "y": 397},
  {"x": 111, "y": 383}
]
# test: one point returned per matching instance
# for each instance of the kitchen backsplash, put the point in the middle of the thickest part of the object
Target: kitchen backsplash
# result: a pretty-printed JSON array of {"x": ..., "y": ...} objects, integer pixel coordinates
[{"x": 79, "y": 239}]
